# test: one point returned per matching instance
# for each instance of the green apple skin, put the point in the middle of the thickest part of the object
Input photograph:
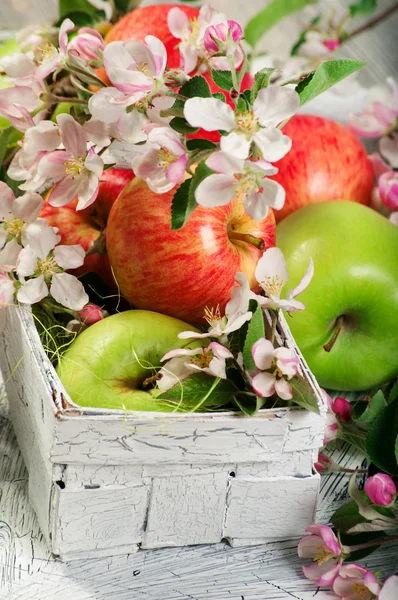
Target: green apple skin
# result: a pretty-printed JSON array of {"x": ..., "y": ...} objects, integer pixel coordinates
[
  {"x": 105, "y": 366},
  {"x": 355, "y": 254}
]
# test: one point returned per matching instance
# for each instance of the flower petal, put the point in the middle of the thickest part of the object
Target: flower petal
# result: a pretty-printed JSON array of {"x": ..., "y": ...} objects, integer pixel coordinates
[
  {"x": 209, "y": 113},
  {"x": 28, "y": 207},
  {"x": 263, "y": 353},
  {"x": 68, "y": 291},
  {"x": 220, "y": 351},
  {"x": 274, "y": 104},
  {"x": 130, "y": 127},
  {"x": 7, "y": 198},
  {"x": 236, "y": 144},
  {"x": 73, "y": 135},
  {"x": 389, "y": 149},
  {"x": 33, "y": 291},
  {"x": 271, "y": 267},
  {"x": 159, "y": 53},
  {"x": 176, "y": 171},
  {"x": 27, "y": 262},
  {"x": 264, "y": 384},
  {"x": 108, "y": 104},
  {"x": 226, "y": 164},
  {"x": 273, "y": 144},
  {"x": 69, "y": 257},
  {"x": 272, "y": 194},
  {"x": 178, "y": 22},
  {"x": 174, "y": 371},
  {"x": 9, "y": 255},
  {"x": 283, "y": 389},
  {"x": 88, "y": 190},
  {"x": 215, "y": 190},
  {"x": 304, "y": 282},
  {"x": 41, "y": 237},
  {"x": 389, "y": 591},
  {"x": 180, "y": 352},
  {"x": 64, "y": 191}
]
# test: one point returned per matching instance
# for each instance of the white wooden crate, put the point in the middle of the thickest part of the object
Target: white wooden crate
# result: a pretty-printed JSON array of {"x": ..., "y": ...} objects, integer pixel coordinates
[{"x": 108, "y": 482}]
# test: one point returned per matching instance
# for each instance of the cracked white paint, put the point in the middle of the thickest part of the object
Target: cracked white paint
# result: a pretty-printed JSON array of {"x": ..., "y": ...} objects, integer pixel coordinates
[{"x": 108, "y": 481}]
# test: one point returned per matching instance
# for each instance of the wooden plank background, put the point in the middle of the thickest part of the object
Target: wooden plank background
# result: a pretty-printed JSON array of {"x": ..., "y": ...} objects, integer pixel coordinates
[{"x": 269, "y": 572}]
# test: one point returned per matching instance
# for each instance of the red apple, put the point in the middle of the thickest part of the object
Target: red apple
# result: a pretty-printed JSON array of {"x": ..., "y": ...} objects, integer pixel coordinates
[
  {"x": 85, "y": 226},
  {"x": 179, "y": 273},
  {"x": 326, "y": 162}
]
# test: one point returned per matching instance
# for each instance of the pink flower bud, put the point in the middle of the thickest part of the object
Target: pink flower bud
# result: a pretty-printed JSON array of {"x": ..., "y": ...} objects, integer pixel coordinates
[
  {"x": 216, "y": 36},
  {"x": 380, "y": 489},
  {"x": 87, "y": 45},
  {"x": 90, "y": 314},
  {"x": 342, "y": 409},
  {"x": 322, "y": 463},
  {"x": 332, "y": 44},
  {"x": 388, "y": 189}
]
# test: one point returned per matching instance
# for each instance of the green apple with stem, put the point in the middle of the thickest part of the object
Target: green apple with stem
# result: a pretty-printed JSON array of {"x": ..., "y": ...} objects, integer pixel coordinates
[
  {"x": 348, "y": 332},
  {"x": 113, "y": 363}
]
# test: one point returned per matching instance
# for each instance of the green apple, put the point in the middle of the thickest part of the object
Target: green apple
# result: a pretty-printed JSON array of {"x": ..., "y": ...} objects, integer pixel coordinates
[
  {"x": 348, "y": 332},
  {"x": 107, "y": 364}
]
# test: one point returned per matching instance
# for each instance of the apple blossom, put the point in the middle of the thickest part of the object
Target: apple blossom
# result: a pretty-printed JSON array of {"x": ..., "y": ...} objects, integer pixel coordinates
[
  {"x": 16, "y": 214},
  {"x": 184, "y": 362},
  {"x": 354, "y": 582},
  {"x": 388, "y": 147},
  {"x": 244, "y": 179},
  {"x": 75, "y": 171},
  {"x": 32, "y": 37},
  {"x": 136, "y": 69},
  {"x": 223, "y": 39},
  {"x": 316, "y": 45},
  {"x": 389, "y": 591},
  {"x": 381, "y": 489},
  {"x": 191, "y": 33},
  {"x": 387, "y": 181},
  {"x": 325, "y": 550},
  {"x": 342, "y": 409},
  {"x": 16, "y": 103},
  {"x": 378, "y": 118},
  {"x": 274, "y": 364},
  {"x": 236, "y": 313},
  {"x": 88, "y": 45},
  {"x": 43, "y": 263},
  {"x": 258, "y": 125},
  {"x": 104, "y": 5},
  {"x": 24, "y": 69},
  {"x": 339, "y": 409},
  {"x": 272, "y": 274},
  {"x": 9, "y": 255},
  {"x": 164, "y": 162},
  {"x": 7, "y": 289}
]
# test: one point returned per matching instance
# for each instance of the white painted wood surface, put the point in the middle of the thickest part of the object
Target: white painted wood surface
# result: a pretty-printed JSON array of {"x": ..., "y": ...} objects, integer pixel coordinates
[{"x": 217, "y": 572}]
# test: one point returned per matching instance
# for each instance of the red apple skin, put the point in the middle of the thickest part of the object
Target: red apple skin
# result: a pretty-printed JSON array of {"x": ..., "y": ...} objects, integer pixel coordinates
[
  {"x": 84, "y": 226},
  {"x": 326, "y": 162},
  {"x": 179, "y": 273}
]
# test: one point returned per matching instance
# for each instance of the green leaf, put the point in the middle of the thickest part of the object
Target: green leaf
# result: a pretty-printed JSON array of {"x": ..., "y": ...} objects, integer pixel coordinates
[
  {"x": 182, "y": 126},
  {"x": 327, "y": 74},
  {"x": 249, "y": 404},
  {"x": 180, "y": 209},
  {"x": 197, "y": 86},
  {"x": 393, "y": 393},
  {"x": 270, "y": 16},
  {"x": 200, "y": 144},
  {"x": 347, "y": 516},
  {"x": 261, "y": 80},
  {"x": 125, "y": 6},
  {"x": 381, "y": 440},
  {"x": 350, "y": 433},
  {"x": 303, "y": 394},
  {"x": 219, "y": 96},
  {"x": 10, "y": 182},
  {"x": 200, "y": 392},
  {"x": 255, "y": 331},
  {"x": 9, "y": 47},
  {"x": 223, "y": 79},
  {"x": 4, "y": 138},
  {"x": 375, "y": 406},
  {"x": 66, "y": 7},
  {"x": 201, "y": 172},
  {"x": 363, "y": 7}
]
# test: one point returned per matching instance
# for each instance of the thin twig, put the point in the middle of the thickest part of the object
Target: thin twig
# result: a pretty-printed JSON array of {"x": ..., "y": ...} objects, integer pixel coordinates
[{"x": 378, "y": 19}]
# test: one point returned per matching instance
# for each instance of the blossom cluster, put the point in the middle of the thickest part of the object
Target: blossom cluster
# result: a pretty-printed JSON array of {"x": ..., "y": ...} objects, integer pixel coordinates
[
  {"x": 270, "y": 368},
  {"x": 141, "y": 102},
  {"x": 380, "y": 121}
]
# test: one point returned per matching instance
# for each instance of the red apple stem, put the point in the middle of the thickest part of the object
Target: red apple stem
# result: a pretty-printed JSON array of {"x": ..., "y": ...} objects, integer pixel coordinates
[
  {"x": 339, "y": 326},
  {"x": 248, "y": 238}
]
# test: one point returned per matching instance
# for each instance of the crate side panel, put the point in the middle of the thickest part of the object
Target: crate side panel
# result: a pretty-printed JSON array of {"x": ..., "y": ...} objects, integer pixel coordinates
[
  {"x": 297, "y": 464},
  {"x": 28, "y": 388},
  {"x": 272, "y": 508},
  {"x": 185, "y": 439},
  {"x": 186, "y": 510},
  {"x": 98, "y": 519}
]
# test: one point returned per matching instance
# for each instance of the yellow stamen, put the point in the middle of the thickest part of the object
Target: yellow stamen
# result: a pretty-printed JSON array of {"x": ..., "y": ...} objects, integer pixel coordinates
[
  {"x": 360, "y": 590},
  {"x": 247, "y": 184},
  {"x": 246, "y": 121},
  {"x": 74, "y": 166},
  {"x": 272, "y": 285},
  {"x": 14, "y": 226},
  {"x": 143, "y": 68},
  {"x": 166, "y": 158},
  {"x": 323, "y": 554},
  {"x": 48, "y": 266},
  {"x": 202, "y": 360},
  {"x": 212, "y": 315},
  {"x": 46, "y": 52}
]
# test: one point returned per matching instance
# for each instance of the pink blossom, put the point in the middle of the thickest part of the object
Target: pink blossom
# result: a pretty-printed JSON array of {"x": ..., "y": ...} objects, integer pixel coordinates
[
  {"x": 191, "y": 33},
  {"x": 91, "y": 314},
  {"x": 16, "y": 104},
  {"x": 354, "y": 582},
  {"x": 342, "y": 409},
  {"x": 88, "y": 45},
  {"x": 182, "y": 362},
  {"x": 273, "y": 364},
  {"x": 388, "y": 146},
  {"x": 76, "y": 170},
  {"x": 236, "y": 313},
  {"x": 163, "y": 164},
  {"x": 325, "y": 550},
  {"x": 378, "y": 117},
  {"x": 322, "y": 463},
  {"x": 7, "y": 290},
  {"x": 272, "y": 274},
  {"x": 389, "y": 591},
  {"x": 332, "y": 44},
  {"x": 224, "y": 39},
  {"x": 388, "y": 189},
  {"x": 32, "y": 37},
  {"x": 258, "y": 125},
  {"x": 316, "y": 46},
  {"x": 244, "y": 179},
  {"x": 381, "y": 489}
]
